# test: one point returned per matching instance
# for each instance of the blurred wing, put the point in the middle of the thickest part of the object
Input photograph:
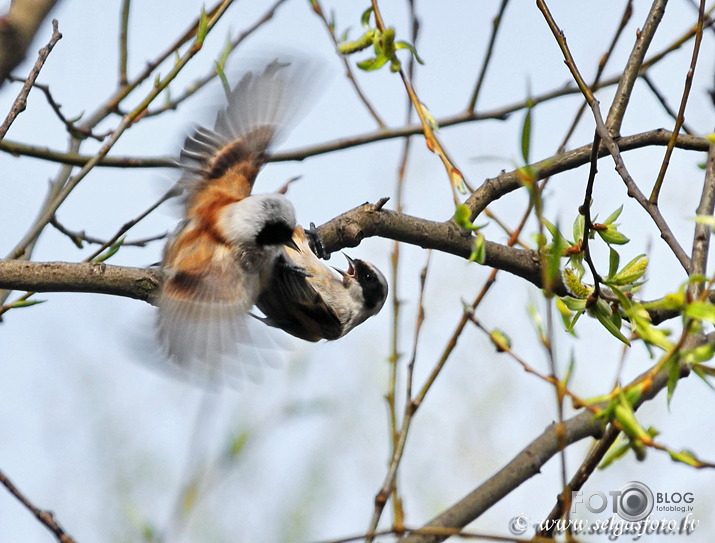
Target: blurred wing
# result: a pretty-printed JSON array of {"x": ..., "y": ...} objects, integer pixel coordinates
[
  {"x": 259, "y": 109},
  {"x": 202, "y": 321}
]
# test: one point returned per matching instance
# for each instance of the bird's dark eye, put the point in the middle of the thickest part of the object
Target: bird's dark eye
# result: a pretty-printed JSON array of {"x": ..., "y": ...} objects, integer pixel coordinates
[{"x": 369, "y": 277}]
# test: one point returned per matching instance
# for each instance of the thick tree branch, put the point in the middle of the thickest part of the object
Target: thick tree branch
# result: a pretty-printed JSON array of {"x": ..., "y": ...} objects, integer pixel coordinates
[
  {"x": 138, "y": 283},
  {"x": 525, "y": 465},
  {"x": 348, "y": 230}
]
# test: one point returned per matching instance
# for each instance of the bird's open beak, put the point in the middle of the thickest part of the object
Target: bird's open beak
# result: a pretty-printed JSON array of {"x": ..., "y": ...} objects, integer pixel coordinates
[{"x": 350, "y": 272}]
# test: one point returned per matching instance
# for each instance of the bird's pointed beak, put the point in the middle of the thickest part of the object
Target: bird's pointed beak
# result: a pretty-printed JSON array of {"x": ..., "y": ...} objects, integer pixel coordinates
[
  {"x": 292, "y": 244},
  {"x": 350, "y": 272}
]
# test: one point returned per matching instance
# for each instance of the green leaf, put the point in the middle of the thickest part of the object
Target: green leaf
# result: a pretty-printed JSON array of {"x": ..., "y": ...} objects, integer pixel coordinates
[
  {"x": 203, "y": 28},
  {"x": 703, "y": 353},
  {"x": 25, "y": 303},
  {"x": 704, "y": 372},
  {"x": 410, "y": 48},
  {"x": 602, "y": 312},
  {"x": 631, "y": 272},
  {"x": 613, "y": 260},
  {"x": 566, "y": 315},
  {"x": 579, "y": 225},
  {"x": 526, "y": 135},
  {"x": 372, "y": 64},
  {"x": 574, "y": 304},
  {"x": 701, "y": 310},
  {"x": 616, "y": 452},
  {"x": 612, "y": 236},
  {"x": 613, "y": 216},
  {"x": 626, "y": 418},
  {"x": 673, "y": 377},
  {"x": 224, "y": 80},
  {"x": 479, "y": 250},
  {"x": 463, "y": 217},
  {"x": 111, "y": 251},
  {"x": 365, "y": 17},
  {"x": 688, "y": 458}
]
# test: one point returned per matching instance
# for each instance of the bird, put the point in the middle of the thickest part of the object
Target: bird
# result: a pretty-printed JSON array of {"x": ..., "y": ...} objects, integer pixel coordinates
[
  {"x": 230, "y": 241},
  {"x": 323, "y": 303}
]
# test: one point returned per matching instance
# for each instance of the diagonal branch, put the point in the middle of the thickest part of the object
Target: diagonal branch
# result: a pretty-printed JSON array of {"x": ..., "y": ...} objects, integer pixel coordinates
[{"x": 525, "y": 465}]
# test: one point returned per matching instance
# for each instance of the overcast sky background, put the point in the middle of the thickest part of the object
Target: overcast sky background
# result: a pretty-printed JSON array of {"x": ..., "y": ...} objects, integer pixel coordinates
[{"x": 91, "y": 429}]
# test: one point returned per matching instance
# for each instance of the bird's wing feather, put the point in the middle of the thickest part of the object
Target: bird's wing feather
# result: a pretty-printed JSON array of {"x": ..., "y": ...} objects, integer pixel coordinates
[
  {"x": 291, "y": 296},
  {"x": 203, "y": 307}
]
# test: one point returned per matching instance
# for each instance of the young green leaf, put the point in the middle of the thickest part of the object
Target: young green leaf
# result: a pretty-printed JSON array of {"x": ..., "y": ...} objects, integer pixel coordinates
[
  {"x": 462, "y": 216},
  {"x": 702, "y": 311},
  {"x": 613, "y": 216},
  {"x": 25, "y": 303},
  {"x": 613, "y": 260},
  {"x": 111, "y": 251},
  {"x": 526, "y": 136},
  {"x": 479, "y": 250},
  {"x": 612, "y": 236},
  {"x": 631, "y": 272}
]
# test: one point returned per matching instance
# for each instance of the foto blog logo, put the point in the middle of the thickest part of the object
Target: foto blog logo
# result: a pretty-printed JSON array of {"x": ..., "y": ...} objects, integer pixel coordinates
[{"x": 632, "y": 502}]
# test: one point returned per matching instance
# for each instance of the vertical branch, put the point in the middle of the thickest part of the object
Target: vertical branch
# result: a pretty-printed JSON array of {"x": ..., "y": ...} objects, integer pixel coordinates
[
  {"x": 317, "y": 8},
  {"x": 602, "y": 130},
  {"x": 457, "y": 181},
  {"x": 633, "y": 66},
  {"x": 389, "y": 485},
  {"x": 701, "y": 238},
  {"x": 123, "y": 43},
  {"x": 496, "y": 24},
  {"x": 397, "y": 442},
  {"x": 683, "y": 102}
]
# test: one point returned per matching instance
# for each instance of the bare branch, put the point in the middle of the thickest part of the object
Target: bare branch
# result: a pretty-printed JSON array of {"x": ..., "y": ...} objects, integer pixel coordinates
[
  {"x": 633, "y": 68},
  {"x": 137, "y": 283},
  {"x": 21, "y": 101},
  {"x": 17, "y": 30},
  {"x": 45, "y": 517}
]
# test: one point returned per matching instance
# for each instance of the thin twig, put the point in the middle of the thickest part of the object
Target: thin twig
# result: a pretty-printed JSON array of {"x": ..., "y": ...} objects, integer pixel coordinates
[
  {"x": 81, "y": 236},
  {"x": 496, "y": 25},
  {"x": 130, "y": 224},
  {"x": 633, "y": 190},
  {"x": 627, "y": 13},
  {"x": 317, "y": 8},
  {"x": 124, "y": 43},
  {"x": 45, "y": 517},
  {"x": 683, "y": 102},
  {"x": 633, "y": 68},
  {"x": 458, "y": 183},
  {"x": 389, "y": 484},
  {"x": 21, "y": 101},
  {"x": 51, "y": 207},
  {"x": 200, "y": 83},
  {"x": 71, "y": 127},
  {"x": 664, "y": 102},
  {"x": 703, "y": 232}
]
